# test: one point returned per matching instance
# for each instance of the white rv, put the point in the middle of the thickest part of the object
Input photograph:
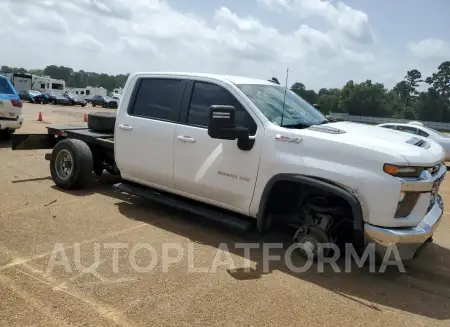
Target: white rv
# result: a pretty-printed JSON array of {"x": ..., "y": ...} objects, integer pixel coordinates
[
  {"x": 46, "y": 83},
  {"x": 20, "y": 81},
  {"x": 117, "y": 92},
  {"x": 89, "y": 91}
]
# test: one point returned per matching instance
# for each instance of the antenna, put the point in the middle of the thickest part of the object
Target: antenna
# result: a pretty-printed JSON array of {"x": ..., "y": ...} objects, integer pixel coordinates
[{"x": 284, "y": 98}]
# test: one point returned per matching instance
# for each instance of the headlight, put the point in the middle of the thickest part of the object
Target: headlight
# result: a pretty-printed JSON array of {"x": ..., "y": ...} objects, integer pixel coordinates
[{"x": 402, "y": 171}]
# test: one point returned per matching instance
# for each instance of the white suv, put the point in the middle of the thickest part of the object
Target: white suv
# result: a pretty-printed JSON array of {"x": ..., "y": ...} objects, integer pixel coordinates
[{"x": 11, "y": 116}]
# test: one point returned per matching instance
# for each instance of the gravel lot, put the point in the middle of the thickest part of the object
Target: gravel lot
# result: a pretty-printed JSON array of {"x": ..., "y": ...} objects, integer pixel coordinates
[{"x": 35, "y": 217}]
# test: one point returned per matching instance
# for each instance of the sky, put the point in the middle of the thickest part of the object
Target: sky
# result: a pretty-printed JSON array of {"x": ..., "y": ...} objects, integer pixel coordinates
[{"x": 322, "y": 43}]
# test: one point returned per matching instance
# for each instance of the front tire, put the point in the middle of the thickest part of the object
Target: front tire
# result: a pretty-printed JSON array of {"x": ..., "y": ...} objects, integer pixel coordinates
[{"x": 71, "y": 164}]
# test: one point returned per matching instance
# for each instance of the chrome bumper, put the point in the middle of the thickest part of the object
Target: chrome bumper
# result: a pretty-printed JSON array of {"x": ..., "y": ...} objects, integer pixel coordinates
[
  {"x": 407, "y": 240},
  {"x": 426, "y": 182}
]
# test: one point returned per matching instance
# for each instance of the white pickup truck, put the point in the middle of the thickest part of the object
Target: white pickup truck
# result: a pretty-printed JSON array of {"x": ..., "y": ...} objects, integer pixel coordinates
[{"x": 232, "y": 148}]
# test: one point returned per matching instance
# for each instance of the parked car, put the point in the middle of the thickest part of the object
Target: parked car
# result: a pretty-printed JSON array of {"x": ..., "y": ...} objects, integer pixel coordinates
[
  {"x": 75, "y": 100},
  {"x": 418, "y": 128},
  {"x": 56, "y": 98},
  {"x": 46, "y": 97},
  {"x": 113, "y": 103},
  {"x": 11, "y": 115},
  {"x": 88, "y": 98},
  {"x": 31, "y": 96},
  {"x": 104, "y": 101},
  {"x": 248, "y": 152},
  {"x": 99, "y": 100}
]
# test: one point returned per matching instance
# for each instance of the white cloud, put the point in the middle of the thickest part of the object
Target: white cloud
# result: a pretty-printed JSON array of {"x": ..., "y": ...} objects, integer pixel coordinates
[
  {"x": 119, "y": 36},
  {"x": 431, "y": 48},
  {"x": 354, "y": 23}
]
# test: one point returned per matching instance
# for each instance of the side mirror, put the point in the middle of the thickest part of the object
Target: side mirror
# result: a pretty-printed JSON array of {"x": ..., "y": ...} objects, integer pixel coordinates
[{"x": 222, "y": 124}]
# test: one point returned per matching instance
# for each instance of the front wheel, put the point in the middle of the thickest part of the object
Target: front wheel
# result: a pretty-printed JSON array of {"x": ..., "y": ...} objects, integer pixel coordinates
[{"x": 71, "y": 164}]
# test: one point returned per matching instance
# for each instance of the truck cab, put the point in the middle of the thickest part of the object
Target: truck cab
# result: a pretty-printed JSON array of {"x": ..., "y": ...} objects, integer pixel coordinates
[
  {"x": 245, "y": 147},
  {"x": 255, "y": 148}
]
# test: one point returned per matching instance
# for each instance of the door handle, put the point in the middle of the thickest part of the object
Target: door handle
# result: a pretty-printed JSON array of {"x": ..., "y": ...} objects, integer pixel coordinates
[
  {"x": 186, "y": 139},
  {"x": 126, "y": 127}
]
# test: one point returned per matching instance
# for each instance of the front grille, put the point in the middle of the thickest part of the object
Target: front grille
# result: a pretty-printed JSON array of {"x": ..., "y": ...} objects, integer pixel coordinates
[{"x": 433, "y": 170}]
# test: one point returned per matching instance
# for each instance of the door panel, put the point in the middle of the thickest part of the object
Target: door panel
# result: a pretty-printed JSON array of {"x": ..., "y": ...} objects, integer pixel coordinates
[
  {"x": 214, "y": 169},
  {"x": 144, "y": 136}
]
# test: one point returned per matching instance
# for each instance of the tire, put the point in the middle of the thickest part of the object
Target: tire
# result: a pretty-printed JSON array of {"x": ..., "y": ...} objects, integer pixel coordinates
[
  {"x": 102, "y": 122},
  {"x": 94, "y": 105},
  {"x": 82, "y": 164},
  {"x": 54, "y": 102}
]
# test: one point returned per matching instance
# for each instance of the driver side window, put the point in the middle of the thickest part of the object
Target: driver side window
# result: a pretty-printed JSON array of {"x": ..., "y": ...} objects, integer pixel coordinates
[{"x": 205, "y": 95}]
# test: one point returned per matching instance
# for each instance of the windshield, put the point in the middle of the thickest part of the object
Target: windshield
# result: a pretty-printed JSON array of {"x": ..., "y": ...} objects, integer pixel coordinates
[
  {"x": 269, "y": 99},
  {"x": 34, "y": 92}
]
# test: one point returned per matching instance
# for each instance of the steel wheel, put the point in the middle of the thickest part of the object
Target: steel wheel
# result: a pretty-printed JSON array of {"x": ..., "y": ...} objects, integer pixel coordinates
[{"x": 64, "y": 164}]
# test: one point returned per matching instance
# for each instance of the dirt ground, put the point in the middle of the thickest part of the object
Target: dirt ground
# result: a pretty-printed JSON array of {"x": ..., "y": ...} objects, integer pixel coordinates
[{"x": 48, "y": 235}]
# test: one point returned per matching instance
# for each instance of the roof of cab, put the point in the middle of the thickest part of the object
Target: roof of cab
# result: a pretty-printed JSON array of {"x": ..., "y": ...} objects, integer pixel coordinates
[{"x": 219, "y": 77}]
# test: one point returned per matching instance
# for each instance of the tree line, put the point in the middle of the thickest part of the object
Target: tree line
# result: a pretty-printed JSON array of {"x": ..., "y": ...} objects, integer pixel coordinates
[
  {"x": 368, "y": 98},
  {"x": 404, "y": 100},
  {"x": 73, "y": 78}
]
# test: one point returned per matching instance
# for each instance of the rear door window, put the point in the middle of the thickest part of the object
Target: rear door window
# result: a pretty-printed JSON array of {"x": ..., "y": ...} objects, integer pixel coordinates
[
  {"x": 422, "y": 133},
  {"x": 158, "y": 98}
]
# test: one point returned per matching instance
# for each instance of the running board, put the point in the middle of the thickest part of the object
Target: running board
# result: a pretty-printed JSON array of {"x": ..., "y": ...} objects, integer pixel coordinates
[{"x": 197, "y": 208}]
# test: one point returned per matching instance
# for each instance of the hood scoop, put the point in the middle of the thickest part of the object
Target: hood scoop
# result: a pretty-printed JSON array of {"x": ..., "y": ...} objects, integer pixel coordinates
[
  {"x": 418, "y": 142},
  {"x": 327, "y": 129}
]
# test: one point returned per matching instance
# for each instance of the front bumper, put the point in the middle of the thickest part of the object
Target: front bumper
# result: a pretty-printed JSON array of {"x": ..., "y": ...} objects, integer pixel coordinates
[{"x": 408, "y": 241}]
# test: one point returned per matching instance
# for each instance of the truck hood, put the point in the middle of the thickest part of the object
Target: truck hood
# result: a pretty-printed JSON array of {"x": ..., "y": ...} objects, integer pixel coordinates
[{"x": 416, "y": 150}]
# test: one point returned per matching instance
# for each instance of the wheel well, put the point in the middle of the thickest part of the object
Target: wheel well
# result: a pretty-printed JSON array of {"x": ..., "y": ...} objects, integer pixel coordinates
[{"x": 284, "y": 196}]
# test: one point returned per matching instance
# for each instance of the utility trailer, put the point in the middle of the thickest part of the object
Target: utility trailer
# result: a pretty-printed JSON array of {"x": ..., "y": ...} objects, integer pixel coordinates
[{"x": 78, "y": 151}]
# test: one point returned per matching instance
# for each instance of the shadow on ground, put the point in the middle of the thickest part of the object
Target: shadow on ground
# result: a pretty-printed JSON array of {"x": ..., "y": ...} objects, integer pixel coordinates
[
  {"x": 421, "y": 290},
  {"x": 5, "y": 144}
]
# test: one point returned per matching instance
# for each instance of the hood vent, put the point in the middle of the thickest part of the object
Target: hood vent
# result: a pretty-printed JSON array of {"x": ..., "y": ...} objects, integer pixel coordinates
[
  {"x": 418, "y": 142},
  {"x": 327, "y": 129}
]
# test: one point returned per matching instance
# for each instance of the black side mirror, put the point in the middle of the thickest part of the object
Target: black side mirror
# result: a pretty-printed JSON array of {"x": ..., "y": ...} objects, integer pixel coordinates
[{"x": 222, "y": 124}]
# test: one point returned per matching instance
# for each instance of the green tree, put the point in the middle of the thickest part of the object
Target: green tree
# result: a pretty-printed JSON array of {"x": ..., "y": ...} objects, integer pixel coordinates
[
  {"x": 364, "y": 99},
  {"x": 328, "y": 100},
  {"x": 309, "y": 95},
  {"x": 440, "y": 81}
]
